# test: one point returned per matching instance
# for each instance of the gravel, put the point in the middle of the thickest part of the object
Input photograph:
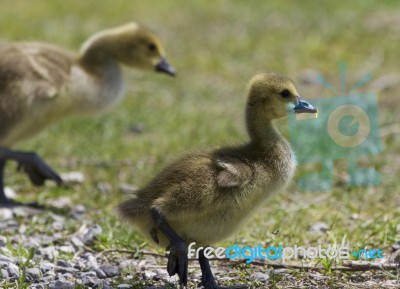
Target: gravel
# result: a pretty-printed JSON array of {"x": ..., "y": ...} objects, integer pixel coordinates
[
  {"x": 63, "y": 257},
  {"x": 319, "y": 227},
  {"x": 13, "y": 271},
  {"x": 90, "y": 235},
  {"x": 109, "y": 270},
  {"x": 32, "y": 274},
  {"x": 5, "y": 259},
  {"x": 89, "y": 281},
  {"x": 3, "y": 241},
  {"x": 262, "y": 277},
  {"x": 124, "y": 286},
  {"x": 101, "y": 274},
  {"x": 4, "y": 273},
  {"x": 46, "y": 267},
  {"x": 61, "y": 285},
  {"x": 63, "y": 263}
]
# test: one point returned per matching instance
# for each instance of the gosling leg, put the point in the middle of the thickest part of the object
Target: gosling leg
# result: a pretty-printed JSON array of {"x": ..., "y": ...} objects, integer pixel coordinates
[
  {"x": 178, "y": 255},
  {"x": 207, "y": 278}
]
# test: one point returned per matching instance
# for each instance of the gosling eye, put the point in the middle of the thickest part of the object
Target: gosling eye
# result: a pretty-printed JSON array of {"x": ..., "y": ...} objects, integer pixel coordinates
[
  {"x": 285, "y": 93},
  {"x": 152, "y": 47}
]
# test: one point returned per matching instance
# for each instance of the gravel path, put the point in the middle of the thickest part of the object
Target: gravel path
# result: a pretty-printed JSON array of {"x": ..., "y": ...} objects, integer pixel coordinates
[
  {"x": 38, "y": 250},
  {"x": 47, "y": 257}
]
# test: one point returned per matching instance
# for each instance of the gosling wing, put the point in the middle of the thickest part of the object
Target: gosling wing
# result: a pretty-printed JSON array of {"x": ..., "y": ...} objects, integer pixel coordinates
[
  {"x": 32, "y": 71},
  {"x": 233, "y": 173}
]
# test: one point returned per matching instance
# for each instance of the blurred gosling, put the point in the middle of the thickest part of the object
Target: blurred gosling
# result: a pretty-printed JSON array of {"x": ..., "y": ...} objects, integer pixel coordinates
[{"x": 41, "y": 84}]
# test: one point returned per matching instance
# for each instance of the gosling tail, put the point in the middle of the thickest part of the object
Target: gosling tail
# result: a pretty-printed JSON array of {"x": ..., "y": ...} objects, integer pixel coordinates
[{"x": 131, "y": 209}]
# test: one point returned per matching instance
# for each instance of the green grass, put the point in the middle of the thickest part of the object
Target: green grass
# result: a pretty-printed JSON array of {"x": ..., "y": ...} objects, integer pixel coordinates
[{"x": 216, "y": 47}]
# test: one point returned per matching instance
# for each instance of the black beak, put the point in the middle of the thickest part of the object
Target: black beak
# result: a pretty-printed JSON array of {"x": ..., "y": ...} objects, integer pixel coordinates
[
  {"x": 304, "y": 107},
  {"x": 165, "y": 67}
]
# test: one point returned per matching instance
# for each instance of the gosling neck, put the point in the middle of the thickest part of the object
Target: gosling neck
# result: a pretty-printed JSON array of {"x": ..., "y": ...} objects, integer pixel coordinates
[
  {"x": 96, "y": 55},
  {"x": 262, "y": 131},
  {"x": 103, "y": 84}
]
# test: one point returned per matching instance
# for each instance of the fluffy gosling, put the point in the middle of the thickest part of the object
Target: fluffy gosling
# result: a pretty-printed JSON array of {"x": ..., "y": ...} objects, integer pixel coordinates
[
  {"x": 204, "y": 197},
  {"x": 41, "y": 84}
]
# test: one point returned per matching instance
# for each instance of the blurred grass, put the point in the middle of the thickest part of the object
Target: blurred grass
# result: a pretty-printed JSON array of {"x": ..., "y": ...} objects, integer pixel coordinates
[{"x": 216, "y": 47}]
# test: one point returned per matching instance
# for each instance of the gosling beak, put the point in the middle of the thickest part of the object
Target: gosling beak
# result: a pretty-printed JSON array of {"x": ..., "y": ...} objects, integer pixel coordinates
[
  {"x": 165, "y": 67},
  {"x": 304, "y": 107}
]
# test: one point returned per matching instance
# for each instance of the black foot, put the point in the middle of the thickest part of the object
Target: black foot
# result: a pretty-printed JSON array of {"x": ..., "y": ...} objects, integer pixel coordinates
[
  {"x": 37, "y": 170},
  {"x": 207, "y": 278},
  {"x": 8, "y": 203},
  {"x": 213, "y": 285},
  {"x": 178, "y": 261}
]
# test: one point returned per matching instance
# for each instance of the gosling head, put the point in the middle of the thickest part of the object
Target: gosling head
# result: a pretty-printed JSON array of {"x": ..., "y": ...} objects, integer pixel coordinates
[
  {"x": 131, "y": 44},
  {"x": 273, "y": 95}
]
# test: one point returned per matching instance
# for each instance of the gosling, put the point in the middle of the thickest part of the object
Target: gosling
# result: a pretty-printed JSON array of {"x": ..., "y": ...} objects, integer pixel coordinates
[
  {"x": 41, "y": 84},
  {"x": 204, "y": 197}
]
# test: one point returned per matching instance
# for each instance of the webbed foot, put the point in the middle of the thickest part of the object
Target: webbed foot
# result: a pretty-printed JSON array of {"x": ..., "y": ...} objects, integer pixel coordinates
[
  {"x": 36, "y": 169},
  {"x": 207, "y": 278},
  {"x": 178, "y": 261}
]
